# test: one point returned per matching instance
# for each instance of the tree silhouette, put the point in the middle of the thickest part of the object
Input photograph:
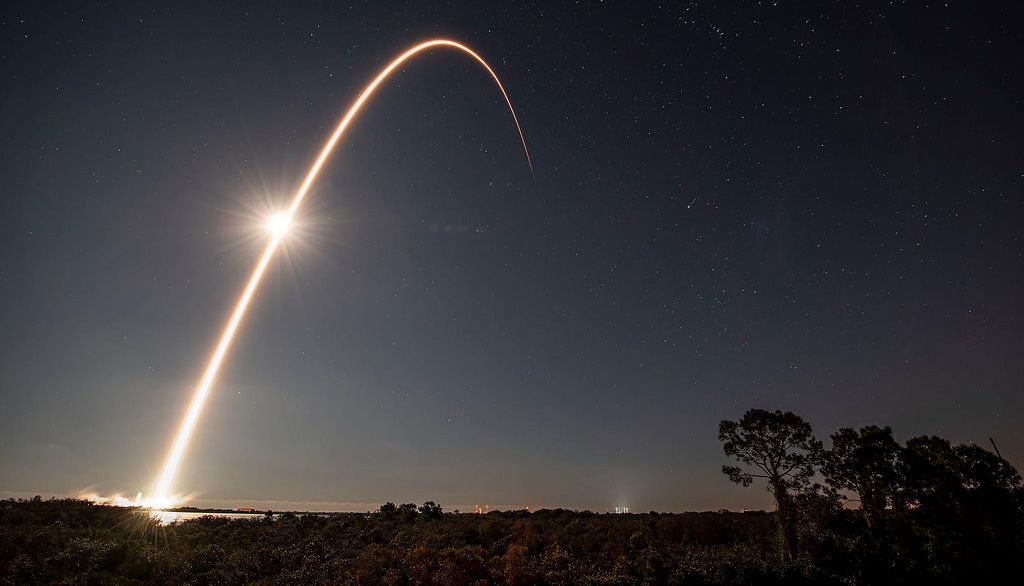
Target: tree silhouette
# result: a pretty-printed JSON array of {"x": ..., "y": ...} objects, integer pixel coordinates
[
  {"x": 967, "y": 503},
  {"x": 781, "y": 448},
  {"x": 387, "y": 511},
  {"x": 431, "y": 510},
  {"x": 962, "y": 523},
  {"x": 865, "y": 463},
  {"x": 408, "y": 512}
]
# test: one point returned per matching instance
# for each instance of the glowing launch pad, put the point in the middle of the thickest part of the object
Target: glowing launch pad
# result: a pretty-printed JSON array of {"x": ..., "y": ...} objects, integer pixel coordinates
[{"x": 277, "y": 226}]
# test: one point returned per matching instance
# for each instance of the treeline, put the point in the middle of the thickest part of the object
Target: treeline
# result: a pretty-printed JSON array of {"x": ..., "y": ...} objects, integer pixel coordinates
[
  {"x": 869, "y": 510},
  {"x": 864, "y": 510},
  {"x": 72, "y": 541}
]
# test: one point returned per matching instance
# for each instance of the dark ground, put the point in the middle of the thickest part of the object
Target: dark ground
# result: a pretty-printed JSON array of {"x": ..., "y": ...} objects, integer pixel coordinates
[{"x": 70, "y": 541}]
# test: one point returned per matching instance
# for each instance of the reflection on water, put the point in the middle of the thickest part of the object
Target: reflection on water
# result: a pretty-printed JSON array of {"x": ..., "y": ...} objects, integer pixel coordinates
[{"x": 168, "y": 517}]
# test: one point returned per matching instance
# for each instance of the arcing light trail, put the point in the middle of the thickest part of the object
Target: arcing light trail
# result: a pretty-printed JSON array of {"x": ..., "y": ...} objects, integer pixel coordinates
[{"x": 161, "y": 496}]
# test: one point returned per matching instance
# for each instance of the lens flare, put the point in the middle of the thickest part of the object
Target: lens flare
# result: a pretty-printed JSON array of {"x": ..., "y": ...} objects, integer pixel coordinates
[{"x": 278, "y": 226}]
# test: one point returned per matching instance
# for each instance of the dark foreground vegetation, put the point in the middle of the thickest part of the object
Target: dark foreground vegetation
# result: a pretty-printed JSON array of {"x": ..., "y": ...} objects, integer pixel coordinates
[{"x": 866, "y": 511}]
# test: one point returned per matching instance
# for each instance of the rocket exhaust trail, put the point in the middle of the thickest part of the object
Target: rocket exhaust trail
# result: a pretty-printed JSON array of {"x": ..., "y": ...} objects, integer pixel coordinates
[{"x": 161, "y": 488}]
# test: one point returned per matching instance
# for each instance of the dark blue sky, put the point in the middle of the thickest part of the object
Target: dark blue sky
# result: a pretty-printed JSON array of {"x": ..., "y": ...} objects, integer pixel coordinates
[{"x": 810, "y": 207}]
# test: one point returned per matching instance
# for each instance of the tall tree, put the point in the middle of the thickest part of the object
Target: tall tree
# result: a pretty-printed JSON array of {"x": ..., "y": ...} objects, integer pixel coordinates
[
  {"x": 865, "y": 463},
  {"x": 968, "y": 506},
  {"x": 936, "y": 474},
  {"x": 779, "y": 447}
]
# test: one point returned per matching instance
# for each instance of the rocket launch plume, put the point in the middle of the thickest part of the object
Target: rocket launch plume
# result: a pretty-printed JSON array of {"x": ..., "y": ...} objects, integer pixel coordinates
[{"x": 161, "y": 496}]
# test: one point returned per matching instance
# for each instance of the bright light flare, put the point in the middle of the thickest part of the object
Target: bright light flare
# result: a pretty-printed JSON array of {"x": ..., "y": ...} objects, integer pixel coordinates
[
  {"x": 278, "y": 227},
  {"x": 117, "y": 500},
  {"x": 278, "y": 224}
]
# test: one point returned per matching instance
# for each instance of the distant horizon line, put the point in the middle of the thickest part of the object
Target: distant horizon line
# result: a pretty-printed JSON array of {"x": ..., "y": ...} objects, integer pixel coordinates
[{"x": 328, "y": 506}]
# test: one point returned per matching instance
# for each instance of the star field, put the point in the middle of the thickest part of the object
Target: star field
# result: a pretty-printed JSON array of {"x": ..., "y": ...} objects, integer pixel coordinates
[{"x": 807, "y": 206}]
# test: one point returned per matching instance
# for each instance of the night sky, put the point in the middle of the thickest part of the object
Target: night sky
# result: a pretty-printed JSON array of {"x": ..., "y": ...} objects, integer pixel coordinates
[{"x": 808, "y": 207}]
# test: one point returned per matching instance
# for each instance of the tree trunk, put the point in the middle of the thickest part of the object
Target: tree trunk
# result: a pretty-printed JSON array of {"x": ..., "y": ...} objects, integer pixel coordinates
[{"x": 787, "y": 519}]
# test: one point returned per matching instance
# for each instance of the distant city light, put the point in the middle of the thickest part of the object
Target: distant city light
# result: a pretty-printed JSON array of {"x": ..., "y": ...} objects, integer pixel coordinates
[{"x": 621, "y": 510}]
